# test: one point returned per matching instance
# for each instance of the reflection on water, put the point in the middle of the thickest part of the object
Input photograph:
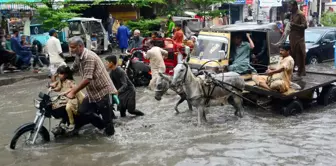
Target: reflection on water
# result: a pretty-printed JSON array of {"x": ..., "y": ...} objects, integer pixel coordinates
[{"x": 163, "y": 138}]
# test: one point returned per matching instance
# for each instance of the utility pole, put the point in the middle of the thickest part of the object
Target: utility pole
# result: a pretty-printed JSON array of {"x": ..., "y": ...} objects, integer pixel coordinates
[
  {"x": 258, "y": 6},
  {"x": 320, "y": 12}
]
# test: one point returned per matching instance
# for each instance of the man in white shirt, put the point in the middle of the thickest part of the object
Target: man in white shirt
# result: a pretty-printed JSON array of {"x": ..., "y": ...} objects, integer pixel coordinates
[
  {"x": 155, "y": 55},
  {"x": 54, "y": 50}
]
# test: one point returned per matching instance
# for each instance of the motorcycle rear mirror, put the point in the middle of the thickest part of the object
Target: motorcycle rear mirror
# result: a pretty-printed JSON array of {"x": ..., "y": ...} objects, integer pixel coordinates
[{"x": 41, "y": 95}]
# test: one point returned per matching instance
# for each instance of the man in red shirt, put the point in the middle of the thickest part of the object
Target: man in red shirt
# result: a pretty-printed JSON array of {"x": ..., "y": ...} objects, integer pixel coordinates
[{"x": 178, "y": 36}]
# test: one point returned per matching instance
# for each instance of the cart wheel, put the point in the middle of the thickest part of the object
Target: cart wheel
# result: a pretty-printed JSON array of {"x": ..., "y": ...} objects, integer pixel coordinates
[
  {"x": 327, "y": 96},
  {"x": 295, "y": 107}
]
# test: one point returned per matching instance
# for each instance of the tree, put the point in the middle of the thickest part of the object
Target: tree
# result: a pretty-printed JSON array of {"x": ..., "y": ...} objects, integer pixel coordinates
[
  {"x": 329, "y": 19},
  {"x": 53, "y": 13},
  {"x": 141, "y": 3},
  {"x": 205, "y": 4}
]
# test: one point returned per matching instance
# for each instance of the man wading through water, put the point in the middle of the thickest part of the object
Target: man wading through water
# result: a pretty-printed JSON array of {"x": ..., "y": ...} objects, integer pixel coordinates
[
  {"x": 126, "y": 90},
  {"x": 98, "y": 85},
  {"x": 298, "y": 25}
]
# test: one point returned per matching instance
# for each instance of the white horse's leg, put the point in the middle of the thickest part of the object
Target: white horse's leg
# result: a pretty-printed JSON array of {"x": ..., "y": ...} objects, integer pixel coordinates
[
  {"x": 199, "y": 116},
  {"x": 177, "y": 104},
  {"x": 239, "y": 106},
  {"x": 189, "y": 105},
  {"x": 237, "y": 103},
  {"x": 204, "y": 115}
]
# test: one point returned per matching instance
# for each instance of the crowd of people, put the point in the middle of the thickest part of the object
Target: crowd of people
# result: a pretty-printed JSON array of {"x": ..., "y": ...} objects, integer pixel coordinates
[{"x": 17, "y": 52}]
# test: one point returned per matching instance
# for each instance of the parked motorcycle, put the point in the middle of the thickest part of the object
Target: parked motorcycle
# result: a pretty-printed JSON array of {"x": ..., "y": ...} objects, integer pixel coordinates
[
  {"x": 137, "y": 71},
  {"x": 114, "y": 42}
]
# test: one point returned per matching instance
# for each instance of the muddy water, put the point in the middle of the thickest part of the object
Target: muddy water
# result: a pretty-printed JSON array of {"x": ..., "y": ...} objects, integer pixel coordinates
[{"x": 163, "y": 138}]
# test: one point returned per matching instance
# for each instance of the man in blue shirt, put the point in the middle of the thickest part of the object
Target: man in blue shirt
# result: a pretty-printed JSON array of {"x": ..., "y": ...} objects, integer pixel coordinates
[{"x": 23, "y": 53}]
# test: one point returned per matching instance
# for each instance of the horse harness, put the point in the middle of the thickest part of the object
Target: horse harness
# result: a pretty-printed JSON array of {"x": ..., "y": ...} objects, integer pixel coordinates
[
  {"x": 220, "y": 84},
  {"x": 211, "y": 84}
]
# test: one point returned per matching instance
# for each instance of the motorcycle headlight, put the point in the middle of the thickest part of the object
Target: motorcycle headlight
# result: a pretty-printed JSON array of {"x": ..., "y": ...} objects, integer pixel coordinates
[{"x": 37, "y": 103}]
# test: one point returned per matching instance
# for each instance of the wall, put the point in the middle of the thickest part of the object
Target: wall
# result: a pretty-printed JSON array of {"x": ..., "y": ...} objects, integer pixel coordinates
[{"x": 126, "y": 12}]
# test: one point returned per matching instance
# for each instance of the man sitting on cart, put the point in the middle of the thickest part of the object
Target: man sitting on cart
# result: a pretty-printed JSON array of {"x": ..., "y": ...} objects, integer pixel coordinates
[
  {"x": 241, "y": 55},
  {"x": 279, "y": 78}
]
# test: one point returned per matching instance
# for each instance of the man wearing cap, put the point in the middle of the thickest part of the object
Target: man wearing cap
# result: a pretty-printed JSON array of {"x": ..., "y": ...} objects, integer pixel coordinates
[
  {"x": 136, "y": 41},
  {"x": 54, "y": 50}
]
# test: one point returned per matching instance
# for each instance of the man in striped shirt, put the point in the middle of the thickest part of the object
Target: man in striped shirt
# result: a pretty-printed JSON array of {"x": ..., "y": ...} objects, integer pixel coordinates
[{"x": 98, "y": 85}]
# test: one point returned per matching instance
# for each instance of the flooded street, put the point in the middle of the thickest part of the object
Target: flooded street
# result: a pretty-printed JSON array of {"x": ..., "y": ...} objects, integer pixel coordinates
[{"x": 163, "y": 138}]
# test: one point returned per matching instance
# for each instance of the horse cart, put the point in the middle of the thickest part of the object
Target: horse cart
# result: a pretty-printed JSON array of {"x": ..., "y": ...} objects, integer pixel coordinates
[
  {"x": 215, "y": 45},
  {"x": 316, "y": 87}
]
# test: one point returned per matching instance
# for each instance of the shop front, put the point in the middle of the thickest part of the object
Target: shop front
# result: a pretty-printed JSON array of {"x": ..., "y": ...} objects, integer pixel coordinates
[
  {"x": 15, "y": 15},
  {"x": 235, "y": 10},
  {"x": 107, "y": 7}
]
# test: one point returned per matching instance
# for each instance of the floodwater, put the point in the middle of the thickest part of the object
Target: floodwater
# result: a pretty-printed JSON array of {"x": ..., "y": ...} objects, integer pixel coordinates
[{"x": 163, "y": 138}]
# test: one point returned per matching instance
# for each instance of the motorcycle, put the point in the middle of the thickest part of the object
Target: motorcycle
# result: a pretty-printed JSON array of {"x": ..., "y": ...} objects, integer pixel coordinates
[
  {"x": 137, "y": 71},
  {"x": 44, "y": 110},
  {"x": 114, "y": 41}
]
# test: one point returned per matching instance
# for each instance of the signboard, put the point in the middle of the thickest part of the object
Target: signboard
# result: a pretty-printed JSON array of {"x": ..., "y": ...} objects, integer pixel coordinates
[
  {"x": 270, "y": 3},
  {"x": 239, "y": 2},
  {"x": 250, "y": 2}
]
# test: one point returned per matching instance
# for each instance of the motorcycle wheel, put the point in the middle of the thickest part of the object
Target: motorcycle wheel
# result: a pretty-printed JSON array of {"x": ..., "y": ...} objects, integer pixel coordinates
[
  {"x": 130, "y": 75},
  {"x": 110, "y": 48},
  {"x": 43, "y": 133}
]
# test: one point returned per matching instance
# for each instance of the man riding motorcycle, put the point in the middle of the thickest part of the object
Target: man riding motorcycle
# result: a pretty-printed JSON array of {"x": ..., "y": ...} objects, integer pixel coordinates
[{"x": 136, "y": 41}]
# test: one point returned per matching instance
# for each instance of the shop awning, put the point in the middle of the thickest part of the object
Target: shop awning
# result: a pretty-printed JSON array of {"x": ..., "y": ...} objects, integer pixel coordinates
[{"x": 14, "y": 7}]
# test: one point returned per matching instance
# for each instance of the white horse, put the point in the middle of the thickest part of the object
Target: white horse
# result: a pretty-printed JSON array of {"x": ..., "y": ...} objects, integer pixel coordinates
[
  {"x": 202, "y": 94},
  {"x": 163, "y": 83}
]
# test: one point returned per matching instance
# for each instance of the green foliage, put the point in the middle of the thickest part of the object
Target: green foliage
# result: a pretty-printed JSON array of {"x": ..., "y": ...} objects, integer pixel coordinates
[
  {"x": 54, "y": 14},
  {"x": 329, "y": 19},
  {"x": 204, "y": 4},
  {"x": 214, "y": 13},
  {"x": 145, "y": 26},
  {"x": 141, "y": 3},
  {"x": 173, "y": 9}
]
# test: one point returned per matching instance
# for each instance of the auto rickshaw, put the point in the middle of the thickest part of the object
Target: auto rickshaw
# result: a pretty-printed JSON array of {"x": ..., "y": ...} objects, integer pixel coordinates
[
  {"x": 193, "y": 24},
  {"x": 42, "y": 35},
  {"x": 215, "y": 44},
  {"x": 92, "y": 31}
]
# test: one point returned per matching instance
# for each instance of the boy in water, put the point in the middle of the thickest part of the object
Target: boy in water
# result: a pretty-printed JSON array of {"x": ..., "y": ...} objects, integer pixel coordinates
[{"x": 126, "y": 89}]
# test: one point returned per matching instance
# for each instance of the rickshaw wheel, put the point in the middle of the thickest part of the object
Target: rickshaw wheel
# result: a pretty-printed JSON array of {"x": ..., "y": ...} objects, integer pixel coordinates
[
  {"x": 293, "y": 108},
  {"x": 327, "y": 96}
]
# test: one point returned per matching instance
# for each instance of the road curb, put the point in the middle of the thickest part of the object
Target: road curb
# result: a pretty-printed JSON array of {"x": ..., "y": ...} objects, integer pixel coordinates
[{"x": 10, "y": 80}]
